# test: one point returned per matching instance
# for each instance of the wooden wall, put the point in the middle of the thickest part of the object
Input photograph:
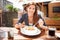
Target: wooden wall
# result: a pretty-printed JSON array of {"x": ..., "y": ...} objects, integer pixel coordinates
[
  {"x": 0, "y": 22},
  {"x": 50, "y": 9},
  {"x": 0, "y": 17}
]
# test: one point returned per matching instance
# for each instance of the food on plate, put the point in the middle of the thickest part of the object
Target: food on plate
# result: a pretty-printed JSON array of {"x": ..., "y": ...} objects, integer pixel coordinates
[{"x": 30, "y": 28}]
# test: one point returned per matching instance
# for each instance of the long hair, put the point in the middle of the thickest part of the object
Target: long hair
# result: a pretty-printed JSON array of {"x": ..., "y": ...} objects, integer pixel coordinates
[{"x": 35, "y": 15}]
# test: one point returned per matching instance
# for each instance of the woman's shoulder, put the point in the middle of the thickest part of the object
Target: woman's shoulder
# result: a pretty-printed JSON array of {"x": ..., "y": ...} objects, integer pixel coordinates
[
  {"x": 24, "y": 14},
  {"x": 39, "y": 16}
]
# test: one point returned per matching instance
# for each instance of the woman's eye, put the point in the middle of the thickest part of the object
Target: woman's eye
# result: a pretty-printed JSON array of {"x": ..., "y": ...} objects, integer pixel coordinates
[
  {"x": 30, "y": 8},
  {"x": 33, "y": 8}
]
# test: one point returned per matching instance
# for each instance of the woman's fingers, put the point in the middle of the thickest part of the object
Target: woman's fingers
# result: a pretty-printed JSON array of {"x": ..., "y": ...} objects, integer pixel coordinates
[
  {"x": 17, "y": 26},
  {"x": 21, "y": 25},
  {"x": 41, "y": 22},
  {"x": 44, "y": 27}
]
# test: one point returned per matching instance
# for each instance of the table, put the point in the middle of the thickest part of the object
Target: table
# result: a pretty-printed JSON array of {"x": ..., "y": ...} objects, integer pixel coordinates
[
  {"x": 42, "y": 36},
  {"x": 16, "y": 36},
  {"x": 4, "y": 35}
]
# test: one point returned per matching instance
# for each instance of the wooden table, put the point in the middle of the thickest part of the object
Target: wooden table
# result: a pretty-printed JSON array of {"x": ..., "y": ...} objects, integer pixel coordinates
[{"x": 42, "y": 36}]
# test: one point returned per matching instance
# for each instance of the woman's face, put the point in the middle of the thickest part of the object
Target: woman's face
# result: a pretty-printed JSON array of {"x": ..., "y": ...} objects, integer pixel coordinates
[{"x": 31, "y": 9}]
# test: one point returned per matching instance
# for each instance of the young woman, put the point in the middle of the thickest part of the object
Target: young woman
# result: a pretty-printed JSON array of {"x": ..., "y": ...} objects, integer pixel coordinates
[{"x": 31, "y": 17}]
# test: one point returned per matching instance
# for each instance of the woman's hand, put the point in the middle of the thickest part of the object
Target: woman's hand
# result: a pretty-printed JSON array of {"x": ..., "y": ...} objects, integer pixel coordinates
[
  {"x": 21, "y": 25},
  {"x": 41, "y": 22},
  {"x": 44, "y": 27},
  {"x": 17, "y": 26},
  {"x": 41, "y": 25}
]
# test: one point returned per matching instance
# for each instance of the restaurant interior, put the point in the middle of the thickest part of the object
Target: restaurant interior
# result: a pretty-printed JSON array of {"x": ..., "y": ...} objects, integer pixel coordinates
[{"x": 11, "y": 11}]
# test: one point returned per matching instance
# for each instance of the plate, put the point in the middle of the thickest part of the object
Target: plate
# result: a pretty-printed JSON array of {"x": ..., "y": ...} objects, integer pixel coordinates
[
  {"x": 30, "y": 31},
  {"x": 57, "y": 34}
]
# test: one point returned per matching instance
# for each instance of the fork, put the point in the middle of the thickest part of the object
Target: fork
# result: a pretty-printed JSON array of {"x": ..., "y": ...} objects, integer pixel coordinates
[{"x": 36, "y": 23}]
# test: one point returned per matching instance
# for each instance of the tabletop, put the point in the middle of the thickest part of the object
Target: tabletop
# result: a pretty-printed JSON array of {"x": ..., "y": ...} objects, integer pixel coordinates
[
  {"x": 43, "y": 36},
  {"x": 15, "y": 36}
]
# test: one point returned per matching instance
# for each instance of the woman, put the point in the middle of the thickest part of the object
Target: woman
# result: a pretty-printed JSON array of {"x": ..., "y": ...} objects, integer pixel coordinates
[{"x": 31, "y": 17}]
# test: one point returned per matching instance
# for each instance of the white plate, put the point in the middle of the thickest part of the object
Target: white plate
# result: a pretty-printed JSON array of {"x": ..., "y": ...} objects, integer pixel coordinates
[
  {"x": 57, "y": 34},
  {"x": 34, "y": 32}
]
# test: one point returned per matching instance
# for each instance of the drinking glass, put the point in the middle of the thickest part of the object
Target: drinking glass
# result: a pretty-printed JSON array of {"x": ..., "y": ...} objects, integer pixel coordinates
[{"x": 51, "y": 32}]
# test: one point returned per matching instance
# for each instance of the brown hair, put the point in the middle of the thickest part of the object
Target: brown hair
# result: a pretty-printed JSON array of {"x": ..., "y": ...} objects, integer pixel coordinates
[{"x": 35, "y": 17}]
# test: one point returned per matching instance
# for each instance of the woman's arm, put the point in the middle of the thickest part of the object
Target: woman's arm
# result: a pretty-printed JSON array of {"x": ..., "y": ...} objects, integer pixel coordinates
[
  {"x": 41, "y": 24},
  {"x": 20, "y": 22},
  {"x": 20, "y": 25}
]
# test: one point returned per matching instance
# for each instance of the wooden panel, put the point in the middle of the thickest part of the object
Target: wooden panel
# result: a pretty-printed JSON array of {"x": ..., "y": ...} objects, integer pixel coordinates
[
  {"x": 15, "y": 21},
  {"x": 50, "y": 22},
  {"x": 0, "y": 22},
  {"x": 0, "y": 17},
  {"x": 50, "y": 6}
]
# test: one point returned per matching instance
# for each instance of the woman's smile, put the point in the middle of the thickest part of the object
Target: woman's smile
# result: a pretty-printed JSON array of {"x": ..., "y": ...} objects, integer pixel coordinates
[{"x": 31, "y": 9}]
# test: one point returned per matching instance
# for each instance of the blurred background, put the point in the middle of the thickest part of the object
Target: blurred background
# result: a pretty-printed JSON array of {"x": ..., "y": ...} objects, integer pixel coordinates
[{"x": 12, "y": 10}]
